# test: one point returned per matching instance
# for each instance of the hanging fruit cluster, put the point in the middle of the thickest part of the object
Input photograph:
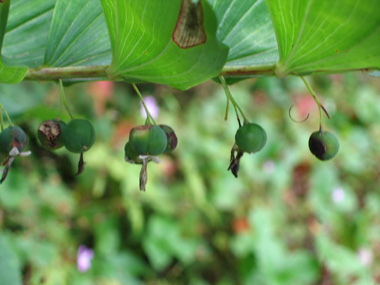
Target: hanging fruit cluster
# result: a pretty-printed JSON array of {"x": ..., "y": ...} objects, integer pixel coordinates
[
  {"x": 251, "y": 137},
  {"x": 77, "y": 136},
  {"x": 323, "y": 144},
  {"x": 148, "y": 141}
]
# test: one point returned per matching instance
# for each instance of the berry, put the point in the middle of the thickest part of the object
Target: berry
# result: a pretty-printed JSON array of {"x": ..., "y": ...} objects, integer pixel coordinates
[
  {"x": 250, "y": 138},
  {"x": 12, "y": 137},
  {"x": 50, "y": 133},
  {"x": 78, "y": 135},
  {"x": 130, "y": 155},
  {"x": 170, "y": 136},
  {"x": 324, "y": 145},
  {"x": 148, "y": 140}
]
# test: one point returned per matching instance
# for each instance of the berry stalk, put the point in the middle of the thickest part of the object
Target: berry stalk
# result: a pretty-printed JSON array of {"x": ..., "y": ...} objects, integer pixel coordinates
[
  {"x": 149, "y": 117},
  {"x": 230, "y": 98},
  {"x": 63, "y": 100}
]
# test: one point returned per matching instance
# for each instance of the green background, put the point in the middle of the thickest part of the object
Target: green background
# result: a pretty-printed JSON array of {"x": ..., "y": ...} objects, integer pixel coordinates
[{"x": 197, "y": 224}]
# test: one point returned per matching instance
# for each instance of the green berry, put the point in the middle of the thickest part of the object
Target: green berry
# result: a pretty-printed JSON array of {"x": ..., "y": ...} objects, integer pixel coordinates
[
  {"x": 148, "y": 140},
  {"x": 170, "y": 136},
  {"x": 12, "y": 137},
  {"x": 130, "y": 155},
  {"x": 78, "y": 135},
  {"x": 250, "y": 138},
  {"x": 324, "y": 145},
  {"x": 50, "y": 134}
]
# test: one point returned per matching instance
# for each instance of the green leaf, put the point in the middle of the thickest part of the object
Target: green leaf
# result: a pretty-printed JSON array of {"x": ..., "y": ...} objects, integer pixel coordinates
[
  {"x": 246, "y": 28},
  {"x": 10, "y": 272},
  {"x": 11, "y": 74},
  {"x": 326, "y": 36},
  {"x": 27, "y": 31},
  {"x": 78, "y": 35},
  {"x": 8, "y": 73},
  {"x": 143, "y": 50}
]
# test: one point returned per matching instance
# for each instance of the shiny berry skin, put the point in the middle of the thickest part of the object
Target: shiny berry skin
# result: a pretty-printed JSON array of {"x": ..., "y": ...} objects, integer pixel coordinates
[
  {"x": 12, "y": 137},
  {"x": 130, "y": 155},
  {"x": 148, "y": 140},
  {"x": 250, "y": 138},
  {"x": 50, "y": 134},
  {"x": 170, "y": 136},
  {"x": 324, "y": 145},
  {"x": 78, "y": 135}
]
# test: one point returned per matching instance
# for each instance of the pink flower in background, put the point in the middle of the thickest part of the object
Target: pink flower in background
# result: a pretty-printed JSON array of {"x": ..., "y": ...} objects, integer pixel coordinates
[
  {"x": 101, "y": 91},
  {"x": 84, "y": 257},
  {"x": 152, "y": 106},
  {"x": 269, "y": 166},
  {"x": 365, "y": 256},
  {"x": 338, "y": 195}
]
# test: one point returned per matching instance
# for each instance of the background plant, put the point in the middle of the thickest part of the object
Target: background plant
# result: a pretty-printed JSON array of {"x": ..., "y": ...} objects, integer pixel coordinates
[{"x": 288, "y": 219}]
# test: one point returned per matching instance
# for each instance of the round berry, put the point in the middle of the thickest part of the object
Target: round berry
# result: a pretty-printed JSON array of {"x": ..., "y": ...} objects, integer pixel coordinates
[
  {"x": 250, "y": 138},
  {"x": 50, "y": 134},
  {"x": 148, "y": 140},
  {"x": 324, "y": 145},
  {"x": 12, "y": 137},
  {"x": 130, "y": 155},
  {"x": 78, "y": 135},
  {"x": 170, "y": 136}
]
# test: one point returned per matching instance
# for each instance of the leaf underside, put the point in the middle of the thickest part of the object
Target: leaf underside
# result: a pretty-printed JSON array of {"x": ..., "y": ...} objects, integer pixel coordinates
[
  {"x": 78, "y": 35},
  {"x": 10, "y": 272},
  {"x": 8, "y": 73},
  {"x": 246, "y": 28},
  {"x": 143, "y": 48},
  {"x": 326, "y": 36},
  {"x": 27, "y": 32},
  {"x": 140, "y": 40}
]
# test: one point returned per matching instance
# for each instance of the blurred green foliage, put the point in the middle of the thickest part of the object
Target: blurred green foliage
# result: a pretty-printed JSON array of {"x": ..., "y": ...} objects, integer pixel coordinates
[{"x": 287, "y": 219}]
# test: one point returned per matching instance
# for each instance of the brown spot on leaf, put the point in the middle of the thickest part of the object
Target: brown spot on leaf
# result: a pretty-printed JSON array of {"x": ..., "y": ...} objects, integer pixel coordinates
[{"x": 189, "y": 30}]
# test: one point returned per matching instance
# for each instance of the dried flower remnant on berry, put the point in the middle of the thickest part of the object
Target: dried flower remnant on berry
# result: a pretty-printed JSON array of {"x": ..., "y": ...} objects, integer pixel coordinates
[{"x": 50, "y": 134}]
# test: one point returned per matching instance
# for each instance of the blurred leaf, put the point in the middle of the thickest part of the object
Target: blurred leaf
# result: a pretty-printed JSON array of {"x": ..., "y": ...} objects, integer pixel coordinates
[
  {"x": 341, "y": 260},
  {"x": 10, "y": 272},
  {"x": 118, "y": 268},
  {"x": 18, "y": 99},
  {"x": 325, "y": 36},
  {"x": 163, "y": 241},
  {"x": 367, "y": 105},
  {"x": 107, "y": 238},
  {"x": 277, "y": 265},
  {"x": 324, "y": 180},
  {"x": 78, "y": 35},
  {"x": 142, "y": 51},
  {"x": 14, "y": 189}
]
